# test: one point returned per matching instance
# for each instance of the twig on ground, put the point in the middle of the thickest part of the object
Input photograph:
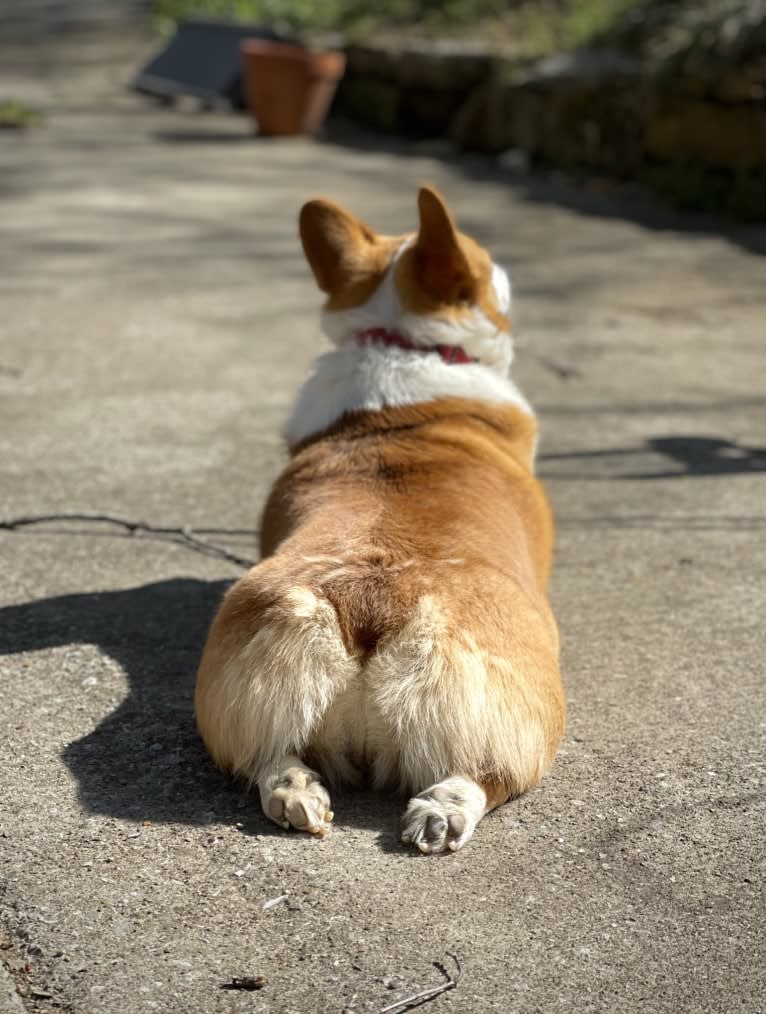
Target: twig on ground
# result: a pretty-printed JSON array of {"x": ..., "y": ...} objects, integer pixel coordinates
[
  {"x": 428, "y": 994},
  {"x": 184, "y": 535},
  {"x": 245, "y": 982}
]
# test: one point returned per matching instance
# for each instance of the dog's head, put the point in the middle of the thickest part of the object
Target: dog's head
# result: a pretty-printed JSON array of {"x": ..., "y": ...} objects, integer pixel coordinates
[{"x": 433, "y": 287}]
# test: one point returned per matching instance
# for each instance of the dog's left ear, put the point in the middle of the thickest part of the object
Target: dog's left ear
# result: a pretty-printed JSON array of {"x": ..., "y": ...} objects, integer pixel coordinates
[
  {"x": 442, "y": 267},
  {"x": 337, "y": 245}
]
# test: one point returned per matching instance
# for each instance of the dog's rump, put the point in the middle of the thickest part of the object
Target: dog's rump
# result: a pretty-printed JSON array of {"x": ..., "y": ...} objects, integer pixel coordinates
[{"x": 364, "y": 665}]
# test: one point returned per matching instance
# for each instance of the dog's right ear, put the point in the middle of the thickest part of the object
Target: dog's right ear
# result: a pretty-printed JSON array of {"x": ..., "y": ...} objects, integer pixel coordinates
[{"x": 337, "y": 245}]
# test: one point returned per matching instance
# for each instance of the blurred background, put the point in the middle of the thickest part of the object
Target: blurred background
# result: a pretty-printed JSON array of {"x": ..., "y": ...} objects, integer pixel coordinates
[{"x": 668, "y": 92}]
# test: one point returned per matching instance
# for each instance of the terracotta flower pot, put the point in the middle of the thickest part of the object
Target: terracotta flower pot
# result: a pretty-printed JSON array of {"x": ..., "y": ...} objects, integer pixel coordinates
[{"x": 289, "y": 89}]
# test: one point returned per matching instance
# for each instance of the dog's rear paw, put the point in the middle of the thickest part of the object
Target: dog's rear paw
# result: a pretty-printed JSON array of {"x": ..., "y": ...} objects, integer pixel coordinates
[
  {"x": 444, "y": 817},
  {"x": 296, "y": 798}
]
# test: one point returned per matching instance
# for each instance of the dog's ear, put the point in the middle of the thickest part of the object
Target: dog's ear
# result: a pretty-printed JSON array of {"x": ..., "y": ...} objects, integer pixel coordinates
[
  {"x": 337, "y": 245},
  {"x": 441, "y": 265}
]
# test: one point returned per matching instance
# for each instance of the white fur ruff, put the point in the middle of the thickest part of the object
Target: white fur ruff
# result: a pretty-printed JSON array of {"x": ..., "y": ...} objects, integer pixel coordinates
[{"x": 370, "y": 377}]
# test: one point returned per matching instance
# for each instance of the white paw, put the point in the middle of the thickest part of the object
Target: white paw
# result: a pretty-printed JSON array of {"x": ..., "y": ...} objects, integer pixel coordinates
[
  {"x": 296, "y": 798},
  {"x": 444, "y": 817}
]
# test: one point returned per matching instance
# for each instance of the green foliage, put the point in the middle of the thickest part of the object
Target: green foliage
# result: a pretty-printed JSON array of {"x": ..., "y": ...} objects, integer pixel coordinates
[
  {"x": 585, "y": 20},
  {"x": 530, "y": 27},
  {"x": 544, "y": 26},
  {"x": 17, "y": 114},
  {"x": 333, "y": 14}
]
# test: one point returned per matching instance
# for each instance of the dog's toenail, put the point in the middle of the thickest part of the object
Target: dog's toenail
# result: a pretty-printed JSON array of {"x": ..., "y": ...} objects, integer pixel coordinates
[
  {"x": 299, "y": 816},
  {"x": 277, "y": 810}
]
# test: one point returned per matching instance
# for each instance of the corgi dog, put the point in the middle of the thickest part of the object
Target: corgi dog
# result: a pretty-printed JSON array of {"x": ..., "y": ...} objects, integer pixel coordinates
[{"x": 396, "y": 631}]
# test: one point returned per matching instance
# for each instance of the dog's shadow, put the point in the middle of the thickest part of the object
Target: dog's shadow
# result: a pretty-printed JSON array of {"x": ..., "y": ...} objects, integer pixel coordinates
[{"x": 145, "y": 761}]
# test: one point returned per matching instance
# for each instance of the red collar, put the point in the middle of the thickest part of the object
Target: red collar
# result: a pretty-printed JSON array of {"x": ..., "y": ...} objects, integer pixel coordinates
[{"x": 382, "y": 336}]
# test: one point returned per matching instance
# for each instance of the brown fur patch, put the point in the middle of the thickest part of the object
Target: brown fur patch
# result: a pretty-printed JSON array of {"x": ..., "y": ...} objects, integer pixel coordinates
[
  {"x": 445, "y": 273},
  {"x": 497, "y": 792},
  {"x": 347, "y": 257},
  {"x": 419, "y": 471}
]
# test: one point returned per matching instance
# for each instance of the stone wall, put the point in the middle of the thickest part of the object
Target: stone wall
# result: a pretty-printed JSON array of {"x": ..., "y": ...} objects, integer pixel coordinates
[
  {"x": 417, "y": 91},
  {"x": 601, "y": 108}
]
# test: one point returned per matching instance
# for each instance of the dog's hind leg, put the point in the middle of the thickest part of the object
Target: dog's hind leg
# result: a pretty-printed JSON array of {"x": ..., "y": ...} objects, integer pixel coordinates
[
  {"x": 470, "y": 725},
  {"x": 274, "y": 664},
  {"x": 292, "y": 795}
]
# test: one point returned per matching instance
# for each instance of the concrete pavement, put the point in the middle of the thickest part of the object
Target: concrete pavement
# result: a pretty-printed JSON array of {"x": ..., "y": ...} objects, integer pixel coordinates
[{"x": 156, "y": 318}]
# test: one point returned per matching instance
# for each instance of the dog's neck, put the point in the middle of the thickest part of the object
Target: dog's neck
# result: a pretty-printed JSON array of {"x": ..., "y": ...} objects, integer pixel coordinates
[
  {"x": 372, "y": 375},
  {"x": 383, "y": 336}
]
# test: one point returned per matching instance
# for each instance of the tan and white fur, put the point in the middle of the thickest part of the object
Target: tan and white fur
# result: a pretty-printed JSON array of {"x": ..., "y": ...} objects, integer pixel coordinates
[{"x": 396, "y": 630}]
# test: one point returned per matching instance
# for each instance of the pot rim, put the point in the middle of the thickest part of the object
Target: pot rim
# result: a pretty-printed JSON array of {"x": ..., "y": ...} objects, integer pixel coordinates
[{"x": 288, "y": 50}]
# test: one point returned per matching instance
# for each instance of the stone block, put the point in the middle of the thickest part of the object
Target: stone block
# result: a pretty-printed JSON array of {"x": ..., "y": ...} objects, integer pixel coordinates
[{"x": 726, "y": 136}]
